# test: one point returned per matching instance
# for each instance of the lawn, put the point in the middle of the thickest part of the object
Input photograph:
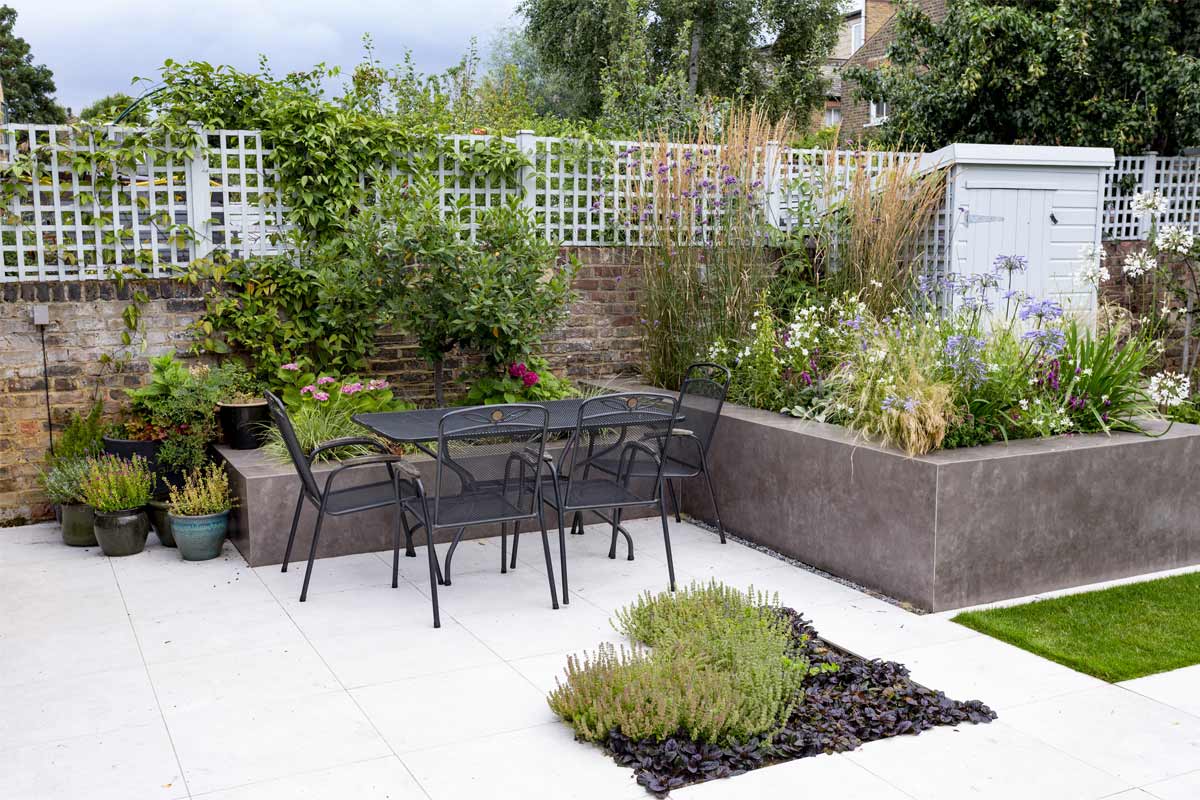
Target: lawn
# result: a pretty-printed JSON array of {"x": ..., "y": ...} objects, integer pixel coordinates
[{"x": 1114, "y": 634}]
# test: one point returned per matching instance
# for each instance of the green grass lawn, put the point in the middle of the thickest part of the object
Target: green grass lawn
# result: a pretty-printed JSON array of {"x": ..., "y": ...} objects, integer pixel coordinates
[{"x": 1115, "y": 634}]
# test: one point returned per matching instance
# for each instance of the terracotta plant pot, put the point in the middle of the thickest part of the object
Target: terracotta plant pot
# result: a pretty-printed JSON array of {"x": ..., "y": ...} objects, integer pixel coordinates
[
  {"x": 200, "y": 538},
  {"x": 77, "y": 525},
  {"x": 122, "y": 533},
  {"x": 244, "y": 425},
  {"x": 160, "y": 518}
]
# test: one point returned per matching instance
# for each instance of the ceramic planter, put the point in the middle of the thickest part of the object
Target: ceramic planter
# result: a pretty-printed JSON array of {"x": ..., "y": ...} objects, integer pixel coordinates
[
  {"x": 200, "y": 538},
  {"x": 244, "y": 425},
  {"x": 77, "y": 525},
  {"x": 122, "y": 533},
  {"x": 160, "y": 518}
]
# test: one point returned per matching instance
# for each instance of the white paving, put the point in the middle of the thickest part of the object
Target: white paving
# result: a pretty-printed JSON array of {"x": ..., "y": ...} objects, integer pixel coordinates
[{"x": 149, "y": 677}]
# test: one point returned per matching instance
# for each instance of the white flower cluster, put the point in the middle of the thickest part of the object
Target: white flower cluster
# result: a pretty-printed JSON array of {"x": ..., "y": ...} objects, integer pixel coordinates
[
  {"x": 1139, "y": 263},
  {"x": 1092, "y": 269},
  {"x": 1153, "y": 203},
  {"x": 1174, "y": 239},
  {"x": 1169, "y": 389},
  {"x": 1047, "y": 416}
]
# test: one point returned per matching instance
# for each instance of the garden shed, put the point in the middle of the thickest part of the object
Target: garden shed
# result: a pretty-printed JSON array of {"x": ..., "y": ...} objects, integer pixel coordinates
[{"x": 1040, "y": 203}]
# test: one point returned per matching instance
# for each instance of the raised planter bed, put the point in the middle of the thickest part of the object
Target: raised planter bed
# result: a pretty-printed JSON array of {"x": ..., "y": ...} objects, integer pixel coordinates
[
  {"x": 958, "y": 527},
  {"x": 266, "y": 492}
]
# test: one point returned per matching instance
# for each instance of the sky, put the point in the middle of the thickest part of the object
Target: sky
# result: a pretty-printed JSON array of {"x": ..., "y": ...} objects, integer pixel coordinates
[{"x": 96, "y": 47}]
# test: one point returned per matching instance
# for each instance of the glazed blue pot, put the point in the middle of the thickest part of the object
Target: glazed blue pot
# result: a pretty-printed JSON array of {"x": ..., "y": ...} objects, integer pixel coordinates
[{"x": 199, "y": 538}]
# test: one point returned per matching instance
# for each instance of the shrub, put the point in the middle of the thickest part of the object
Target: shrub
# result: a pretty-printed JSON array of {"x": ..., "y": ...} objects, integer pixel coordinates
[
  {"x": 63, "y": 482},
  {"x": 117, "y": 484},
  {"x": 232, "y": 382},
  {"x": 176, "y": 407},
  {"x": 723, "y": 668},
  {"x": 82, "y": 436},
  {"x": 205, "y": 490},
  {"x": 520, "y": 382}
]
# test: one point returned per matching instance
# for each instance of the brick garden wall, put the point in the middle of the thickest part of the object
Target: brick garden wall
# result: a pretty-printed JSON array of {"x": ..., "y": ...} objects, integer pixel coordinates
[{"x": 599, "y": 339}]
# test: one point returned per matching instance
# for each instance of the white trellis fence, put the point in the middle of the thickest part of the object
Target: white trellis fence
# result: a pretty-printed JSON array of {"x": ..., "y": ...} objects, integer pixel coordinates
[
  {"x": 1177, "y": 178},
  {"x": 171, "y": 210}
]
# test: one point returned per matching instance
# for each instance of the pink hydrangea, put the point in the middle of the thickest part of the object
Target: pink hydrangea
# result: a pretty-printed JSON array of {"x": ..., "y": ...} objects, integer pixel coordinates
[
  {"x": 291, "y": 366},
  {"x": 352, "y": 388},
  {"x": 530, "y": 378},
  {"x": 321, "y": 396},
  {"x": 324, "y": 379},
  {"x": 307, "y": 389},
  {"x": 377, "y": 384},
  {"x": 518, "y": 370}
]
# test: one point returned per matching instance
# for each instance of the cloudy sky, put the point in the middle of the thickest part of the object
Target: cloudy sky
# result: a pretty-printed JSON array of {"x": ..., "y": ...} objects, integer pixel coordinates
[{"x": 96, "y": 47}]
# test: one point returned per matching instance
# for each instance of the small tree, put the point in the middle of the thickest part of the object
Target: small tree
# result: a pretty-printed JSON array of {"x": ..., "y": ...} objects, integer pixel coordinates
[
  {"x": 107, "y": 109},
  {"x": 28, "y": 87}
]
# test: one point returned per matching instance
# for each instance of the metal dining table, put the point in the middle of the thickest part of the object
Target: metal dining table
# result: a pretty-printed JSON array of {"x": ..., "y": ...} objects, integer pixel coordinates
[{"x": 420, "y": 429}]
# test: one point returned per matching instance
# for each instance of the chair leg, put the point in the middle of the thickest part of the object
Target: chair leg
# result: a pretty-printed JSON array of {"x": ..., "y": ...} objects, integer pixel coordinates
[
  {"x": 396, "y": 546},
  {"x": 671, "y": 487},
  {"x": 435, "y": 576},
  {"x": 577, "y": 524},
  {"x": 662, "y": 507},
  {"x": 712, "y": 496},
  {"x": 312, "y": 552},
  {"x": 616, "y": 526},
  {"x": 562, "y": 543},
  {"x": 512, "y": 561},
  {"x": 409, "y": 550},
  {"x": 450, "y": 555},
  {"x": 287, "y": 553},
  {"x": 549, "y": 560},
  {"x": 503, "y": 548}
]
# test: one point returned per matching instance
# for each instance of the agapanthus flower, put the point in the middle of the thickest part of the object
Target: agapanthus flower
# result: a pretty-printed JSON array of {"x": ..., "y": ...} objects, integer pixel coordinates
[
  {"x": 1151, "y": 202},
  {"x": 1010, "y": 264},
  {"x": 1175, "y": 239},
  {"x": 1043, "y": 310},
  {"x": 1138, "y": 264},
  {"x": 1169, "y": 389},
  {"x": 1050, "y": 341}
]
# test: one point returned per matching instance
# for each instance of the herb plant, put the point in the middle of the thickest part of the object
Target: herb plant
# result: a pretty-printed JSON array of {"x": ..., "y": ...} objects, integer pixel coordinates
[
  {"x": 63, "y": 481},
  {"x": 116, "y": 484},
  {"x": 205, "y": 490}
]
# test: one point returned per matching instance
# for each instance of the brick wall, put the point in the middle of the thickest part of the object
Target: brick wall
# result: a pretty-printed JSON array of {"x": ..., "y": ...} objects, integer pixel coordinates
[{"x": 599, "y": 339}]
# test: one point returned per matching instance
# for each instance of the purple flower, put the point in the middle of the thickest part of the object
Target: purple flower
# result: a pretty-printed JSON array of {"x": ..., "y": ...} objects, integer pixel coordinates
[
  {"x": 320, "y": 396},
  {"x": 325, "y": 379},
  {"x": 530, "y": 378},
  {"x": 518, "y": 370},
  {"x": 352, "y": 388},
  {"x": 307, "y": 389},
  {"x": 377, "y": 384},
  {"x": 1049, "y": 340},
  {"x": 1045, "y": 310},
  {"x": 291, "y": 366}
]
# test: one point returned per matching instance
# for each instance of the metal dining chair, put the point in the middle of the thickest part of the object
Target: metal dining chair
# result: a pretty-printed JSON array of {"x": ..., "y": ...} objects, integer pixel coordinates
[
  {"x": 491, "y": 461},
  {"x": 335, "y": 501},
  {"x": 621, "y": 429}
]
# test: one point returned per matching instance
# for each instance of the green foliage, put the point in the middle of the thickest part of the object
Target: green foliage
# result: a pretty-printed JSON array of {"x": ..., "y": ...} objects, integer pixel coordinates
[
  {"x": 768, "y": 51},
  {"x": 232, "y": 382},
  {"x": 63, "y": 481},
  {"x": 82, "y": 436},
  {"x": 205, "y": 490},
  {"x": 106, "y": 110},
  {"x": 117, "y": 484},
  {"x": 28, "y": 87},
  {"x": 175, "y": 407},
  {"x": 1117, "y": 73},
  {"x": 722, "y": 669},
  {"x": 520, "y": 382}
]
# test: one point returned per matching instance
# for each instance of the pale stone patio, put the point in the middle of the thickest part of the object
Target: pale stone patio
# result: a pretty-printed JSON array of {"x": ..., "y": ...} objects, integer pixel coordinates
[{"x": 148, "y": 677}]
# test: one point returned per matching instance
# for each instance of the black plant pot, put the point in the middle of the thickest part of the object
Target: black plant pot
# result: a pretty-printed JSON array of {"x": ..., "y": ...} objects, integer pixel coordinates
[
  {"x": 122, "y": 533},
  {"x": 244, "y": 425},
  {"x": 128, "y": 448}
]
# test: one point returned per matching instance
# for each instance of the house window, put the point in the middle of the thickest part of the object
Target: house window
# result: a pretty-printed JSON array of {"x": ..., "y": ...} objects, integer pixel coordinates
[
  {"x": 856, "y": 36},
  {"x": 879, "y": 112},
  {"x": 833, "y": 116}
]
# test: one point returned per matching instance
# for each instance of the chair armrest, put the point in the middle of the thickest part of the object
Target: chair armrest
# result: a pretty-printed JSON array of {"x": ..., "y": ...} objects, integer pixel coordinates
[
  {"x": 397, "y": 462},
  {"x": 347, "y": 441},
  {"x": 681, "y": 432}
]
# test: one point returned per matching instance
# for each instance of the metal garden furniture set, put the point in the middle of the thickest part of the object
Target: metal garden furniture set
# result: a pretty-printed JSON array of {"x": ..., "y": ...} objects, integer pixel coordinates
[{"x": 494, "y": 465}]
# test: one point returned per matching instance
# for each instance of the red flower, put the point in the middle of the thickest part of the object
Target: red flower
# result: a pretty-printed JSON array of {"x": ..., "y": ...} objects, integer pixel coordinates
[
  {"x": 530, "y": 378},
  {"x": 519, "y": 370}
]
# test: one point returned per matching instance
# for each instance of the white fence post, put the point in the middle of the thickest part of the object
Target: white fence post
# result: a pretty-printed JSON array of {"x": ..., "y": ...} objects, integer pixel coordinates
[
  {"x": 528, "y": 174},
  {"x": 199, "y": 204},
  {"x": 1148, "y": 184},
  {"x": 771, "y": 184}
]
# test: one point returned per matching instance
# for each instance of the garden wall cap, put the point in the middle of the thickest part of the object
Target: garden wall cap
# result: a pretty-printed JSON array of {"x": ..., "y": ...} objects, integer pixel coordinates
[{"x": 1019, "y": 155}]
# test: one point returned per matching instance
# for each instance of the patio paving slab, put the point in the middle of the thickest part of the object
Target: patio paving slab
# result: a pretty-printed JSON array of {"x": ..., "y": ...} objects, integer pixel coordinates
[{"x": 150, "y": 671}]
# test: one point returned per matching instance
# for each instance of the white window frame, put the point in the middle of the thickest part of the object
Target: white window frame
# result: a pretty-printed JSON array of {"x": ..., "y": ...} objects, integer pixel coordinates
[
  {"x": 857, "y": 35},
  {"x": 833, "y": 116},
  {"x": 878, "y": 118}
]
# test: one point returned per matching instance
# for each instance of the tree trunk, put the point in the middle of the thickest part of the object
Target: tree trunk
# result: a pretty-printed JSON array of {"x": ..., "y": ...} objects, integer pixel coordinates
[
  {"x": 694, "y": 57},
  {"x": 438, "y": 369}
]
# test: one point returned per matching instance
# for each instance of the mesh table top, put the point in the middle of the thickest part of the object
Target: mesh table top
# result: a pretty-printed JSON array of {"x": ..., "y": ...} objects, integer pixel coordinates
[{"x": 411, "y": 427}]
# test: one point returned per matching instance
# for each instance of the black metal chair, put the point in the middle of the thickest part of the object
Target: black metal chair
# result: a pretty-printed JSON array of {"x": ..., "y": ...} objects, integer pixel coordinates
[
  {"x": 336, "y": 502},
  {"x": 491, "y": 462},
  {"x": 621, "y": 429}
]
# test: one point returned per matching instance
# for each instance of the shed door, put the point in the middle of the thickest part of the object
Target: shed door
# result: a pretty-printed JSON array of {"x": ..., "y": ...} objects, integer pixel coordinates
[{"x": 1008, "y": 220}]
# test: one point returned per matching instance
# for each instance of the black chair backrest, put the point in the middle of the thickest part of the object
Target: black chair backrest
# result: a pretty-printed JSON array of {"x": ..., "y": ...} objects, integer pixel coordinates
[
  {"x": 299, "y": 458},
  {"x": 489, "y": 463},
  {"x": 701, "y": 397},
  {"x": 626, "y": 429}
]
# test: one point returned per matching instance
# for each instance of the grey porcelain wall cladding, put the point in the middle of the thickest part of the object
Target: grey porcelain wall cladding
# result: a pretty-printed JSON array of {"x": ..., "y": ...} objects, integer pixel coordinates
[
  {"x": 266, "y": 492},
  {"x": 958, "y": 527}
]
